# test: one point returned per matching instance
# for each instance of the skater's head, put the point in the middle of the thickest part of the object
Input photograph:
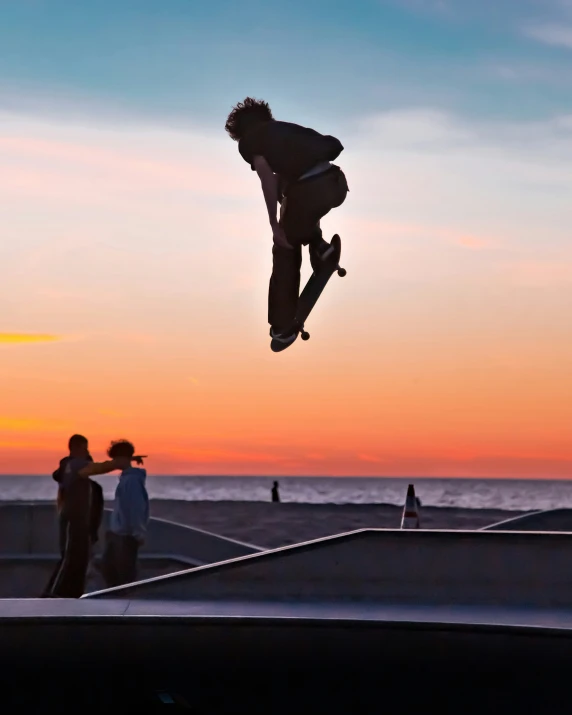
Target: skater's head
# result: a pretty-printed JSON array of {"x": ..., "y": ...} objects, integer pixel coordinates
[
  {"x": 245, "y": 115},
  {"x": 78, "y": 446},
  {"x": 121, "y": 448}
]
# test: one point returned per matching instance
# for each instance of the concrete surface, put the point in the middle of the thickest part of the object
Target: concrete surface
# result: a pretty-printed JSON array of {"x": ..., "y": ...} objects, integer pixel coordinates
[{"x": 480, "y": 568}]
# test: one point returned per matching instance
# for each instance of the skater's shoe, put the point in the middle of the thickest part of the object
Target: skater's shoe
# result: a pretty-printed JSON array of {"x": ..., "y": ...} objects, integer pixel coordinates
[
  {"x": 286, "y": 337},
  {"x": 323, "y": 249}
]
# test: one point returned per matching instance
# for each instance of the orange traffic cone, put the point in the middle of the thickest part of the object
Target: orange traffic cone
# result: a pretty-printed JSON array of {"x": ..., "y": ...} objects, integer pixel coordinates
[{"x": 410, "y": 518}]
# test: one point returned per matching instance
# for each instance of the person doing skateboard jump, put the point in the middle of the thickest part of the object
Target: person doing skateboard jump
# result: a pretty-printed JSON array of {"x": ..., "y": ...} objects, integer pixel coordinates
[{"x": 295, "y": 167}]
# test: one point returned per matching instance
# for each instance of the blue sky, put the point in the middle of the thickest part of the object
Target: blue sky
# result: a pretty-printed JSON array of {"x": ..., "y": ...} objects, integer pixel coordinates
[{"x": 182, "y": 60}]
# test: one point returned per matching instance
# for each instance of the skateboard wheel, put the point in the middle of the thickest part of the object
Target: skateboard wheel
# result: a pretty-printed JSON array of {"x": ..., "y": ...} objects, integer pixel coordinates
[
  {"x": 304, "y": 335},
  {"x": 342, "y": 272}
]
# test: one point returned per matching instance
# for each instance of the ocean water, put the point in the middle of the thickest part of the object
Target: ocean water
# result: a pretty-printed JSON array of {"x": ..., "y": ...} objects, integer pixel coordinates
[{"x": 510, "y": 494}]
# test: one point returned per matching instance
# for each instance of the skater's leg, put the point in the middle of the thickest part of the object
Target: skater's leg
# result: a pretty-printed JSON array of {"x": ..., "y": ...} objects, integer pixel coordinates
[
  {"x": 300, "y": 214},
  {"x": 284, "y": 287},
  {"x": 307, "y": 203},
  {"x": 299, "y": 226},
  {"x": 300, "y": 218}
]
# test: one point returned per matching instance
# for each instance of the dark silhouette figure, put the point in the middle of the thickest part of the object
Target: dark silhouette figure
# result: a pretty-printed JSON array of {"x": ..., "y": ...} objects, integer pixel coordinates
[
  {"x": 75, "y": 445},
  {"x": 80, "y": 501},
  {"x": 275, "y": 492},
  {"x": 80, "y": 511},
  {"x": 295, "y": 170}
]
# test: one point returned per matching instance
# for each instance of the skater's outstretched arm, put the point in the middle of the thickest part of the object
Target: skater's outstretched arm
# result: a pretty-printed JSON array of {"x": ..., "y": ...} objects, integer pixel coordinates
[
  {"x": 269, "y": 183},
  {"x": 105, "y": 467}
]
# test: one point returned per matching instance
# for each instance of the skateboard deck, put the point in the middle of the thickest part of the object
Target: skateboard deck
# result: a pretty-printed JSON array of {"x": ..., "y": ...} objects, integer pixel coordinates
[{"x": 312, "y": 291}]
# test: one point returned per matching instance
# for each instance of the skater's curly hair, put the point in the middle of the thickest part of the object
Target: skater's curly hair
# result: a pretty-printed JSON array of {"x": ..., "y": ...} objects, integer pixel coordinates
[
  {"x": 121, "y": 448},
  {"x": 244, "y": 115}
]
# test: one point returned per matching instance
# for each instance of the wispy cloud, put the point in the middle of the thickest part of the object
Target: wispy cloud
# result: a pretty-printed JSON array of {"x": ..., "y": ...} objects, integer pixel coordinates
[
  {"x": 168, "y": 161},
  {"x": 30, "y": 424},
  {"x": 545, "y": 72},
  {"x": 554, "y": 35},
  {"x": 540, "y": 273},
  {"x": 439, "y": 234},
  {"x": 24, "y": 338},
  {"x": 364, "y": 457},
  {"x": 111, "y": 413},
  {"x": 423, "y": 177},
  {"x": 472, "y": 242}
]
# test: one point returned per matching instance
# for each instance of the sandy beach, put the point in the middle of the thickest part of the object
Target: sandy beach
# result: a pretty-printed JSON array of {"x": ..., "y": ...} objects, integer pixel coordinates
[{"x": 271, "y": 525}]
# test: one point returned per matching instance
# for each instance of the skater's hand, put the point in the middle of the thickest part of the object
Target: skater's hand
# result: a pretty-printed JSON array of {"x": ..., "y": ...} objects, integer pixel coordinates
[{"x": 280, "y": 237}]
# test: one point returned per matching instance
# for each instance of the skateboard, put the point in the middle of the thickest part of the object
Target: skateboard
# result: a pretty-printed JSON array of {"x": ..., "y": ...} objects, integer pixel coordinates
[{"x": 312, "y": 291}]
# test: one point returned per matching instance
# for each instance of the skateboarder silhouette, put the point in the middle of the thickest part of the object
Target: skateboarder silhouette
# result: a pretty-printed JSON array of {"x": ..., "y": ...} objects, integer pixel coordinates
[{"x": 295, "y": 170}]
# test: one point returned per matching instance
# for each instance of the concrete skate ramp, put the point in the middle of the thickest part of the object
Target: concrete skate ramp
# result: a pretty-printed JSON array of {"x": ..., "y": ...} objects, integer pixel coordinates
[
  {"x": 548, "y": 520},
  {"x": 31, "y": 528},
  {"x": 386, "y": 566}
]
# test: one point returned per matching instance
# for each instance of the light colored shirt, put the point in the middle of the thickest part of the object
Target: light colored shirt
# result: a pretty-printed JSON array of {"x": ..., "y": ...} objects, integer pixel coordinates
[{"x": 130, "y": 513}]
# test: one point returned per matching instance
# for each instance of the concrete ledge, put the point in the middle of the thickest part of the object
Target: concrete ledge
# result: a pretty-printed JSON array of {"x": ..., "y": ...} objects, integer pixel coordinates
[
  {"x": 366, "y": 612},
  {"x": 547, "y": 520},
  {"x": 489, "y": 568},
  {"x": 30, "y": 528}
]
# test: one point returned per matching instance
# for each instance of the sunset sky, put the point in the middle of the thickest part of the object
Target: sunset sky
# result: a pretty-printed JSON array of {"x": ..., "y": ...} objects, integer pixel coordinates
[{"x": 135, "y": 250}]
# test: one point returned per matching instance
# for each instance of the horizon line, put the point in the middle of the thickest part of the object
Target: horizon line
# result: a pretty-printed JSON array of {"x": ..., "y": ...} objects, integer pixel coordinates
[{"x": 314, "y": 476}]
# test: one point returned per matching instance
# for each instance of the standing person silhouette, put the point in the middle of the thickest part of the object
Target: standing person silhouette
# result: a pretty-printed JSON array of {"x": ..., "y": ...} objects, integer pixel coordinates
[
  {"x": 67, "y": 503},
  {"x": 78, "y": 447},
  {"x": 295, "y": 170},
  {"x": 275, "y": 492}
]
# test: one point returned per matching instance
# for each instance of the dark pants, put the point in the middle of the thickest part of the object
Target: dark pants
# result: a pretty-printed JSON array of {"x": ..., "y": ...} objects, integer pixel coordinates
[
  {"x": 95, "y": 518},
  {"x": 119, "y": 562},
  {"x": 96, "y": 511},
  {"x": 68, "y": 578},
  {"x": 304, "y": 204},
  {"x": 63, "y": 530},
  {"x": 79, "y": 521}
]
